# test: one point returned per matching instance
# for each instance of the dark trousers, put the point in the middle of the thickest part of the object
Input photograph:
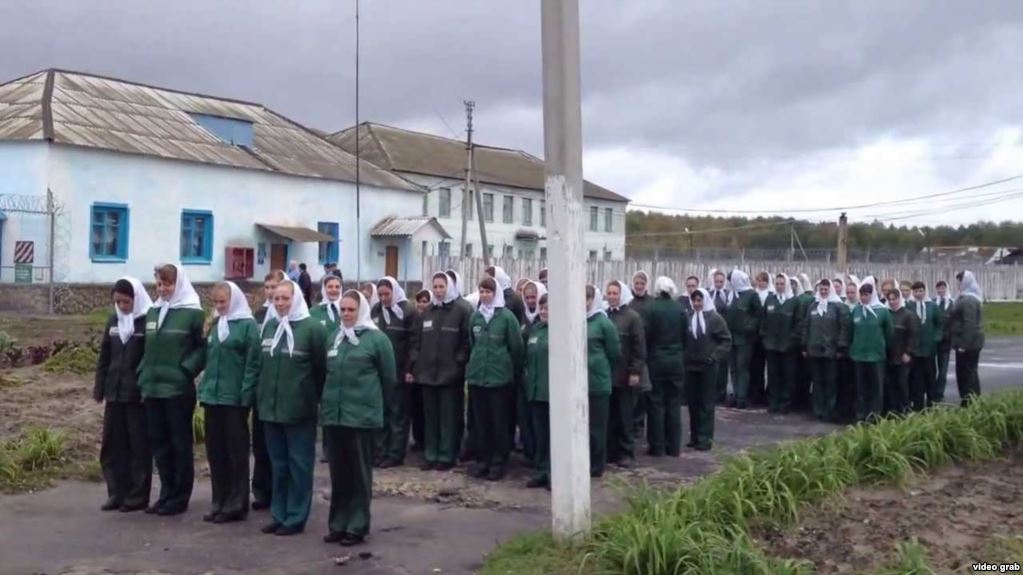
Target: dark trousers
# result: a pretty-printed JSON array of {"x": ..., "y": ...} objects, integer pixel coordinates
[
  {"x": 758, "y": 362},
  {"x": 523, "y": 421},
  {"x": 781, "y": 377},
  {"x": 921, "y": 382},
  {"x": 721, "y": 379},
  {"x": 600, "y": 405},
  {"x": 701, "y": 397},
  {"x": 443, "y": 418},
  {"x": 540, "y": 414},
  {"x": 639, "y": 413},
  {"x": 824, "y": 371},
  {"x": 292, "y": 449},
  {"x": 896, "y": 388},
  {"x": 845, "y": 402},
  {"x": 351, "y": 478},
  {"x": 804, "y": 381},
  {"x": 227, "y": 450},
  {"x": 392, "y": 438},
  {"x": 664, "y": 417},
  {"x": 416, "y": 420},
  {"x": 869, "y": 390},
  {"x": 262, "y": 477},
  {"x": 620, "y": 442},
  {"x": 490, "y": 424},
  {"x": 742, "y": 353},
  {"x": 169, "y": 422},
  {"x": 966, "y": 375},
  {"x": 124, "y": 457},
  {"x": 942, "y": 380},
  {"x": 466, "y": 433}
]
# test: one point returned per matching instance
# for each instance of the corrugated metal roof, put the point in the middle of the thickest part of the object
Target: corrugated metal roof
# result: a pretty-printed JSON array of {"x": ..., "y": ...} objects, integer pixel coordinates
[
  {"x": 96, "y": 112},
  {"x": 401, "y": 150},
  {"x": 393, "y": 226},
  {"x": 297, "y": 233}
]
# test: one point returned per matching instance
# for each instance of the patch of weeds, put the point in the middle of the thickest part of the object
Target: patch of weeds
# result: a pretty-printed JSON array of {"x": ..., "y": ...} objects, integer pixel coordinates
[
  {"x": 98, "y": 317},
  {"x": 32, "y": 459},
  {"x": 199, "y": 424},
  {"x": 9, "y": 381},
  {"x": 1003, "y": 550},
  {"x": 76, "y": 360},
  {"x": 87, "y": 470},
  {"x": 535, "y": 554},
  {"x": 910, "y": 559}
]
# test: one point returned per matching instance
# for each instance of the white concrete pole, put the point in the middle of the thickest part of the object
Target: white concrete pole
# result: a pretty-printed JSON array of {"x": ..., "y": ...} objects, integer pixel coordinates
[{"x": 569, "y": 400}]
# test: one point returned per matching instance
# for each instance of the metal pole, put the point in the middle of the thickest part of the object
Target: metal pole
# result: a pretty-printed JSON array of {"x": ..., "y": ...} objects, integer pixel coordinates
[
  {"x": 569, "y": 401},
  {"x": 358, "y": 160},
  {"x": 466, "y": 201},
  {"x": 477, "y": 190},
  {"x": 843, "y": 243},
  {"x": 51, "y": 209}
]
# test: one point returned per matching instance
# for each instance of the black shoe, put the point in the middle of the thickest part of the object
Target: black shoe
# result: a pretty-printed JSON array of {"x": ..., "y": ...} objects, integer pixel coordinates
[
  {"x": 655, "y": 453},
  {"x": 166, "y": 511},
  {"x": 495, "y": 474},
  {"x": 428, "y": 466},
  {"x": 388, "y": 463},
  {"x": 596, "y": 474},
  {"x": 271, "y": 528},
  {"x": 334, "y": 537},
  {"x": 111, "y": 504},
  {"x": 416, "y": 447},
  {"x": 209, "y": 517},
  {"x": 444, "y": 467},
  {"x": 285, "y": 531},
  {"x": 260, "y": 505},
  {"x": 478, "y": 471},
  {"x": 349, "y": 540},
  {"x": 152, "y": 509},
  {"x": 535, "y": 483},
  {"x": 702, "y": 447},
  {"x": 626, "y": 463},
  {"x": 691, "y": 444},
  {"x": 133, "y": 507},
  {"x": 741, "y": 405},
  {"x": 230, "y": 517}
]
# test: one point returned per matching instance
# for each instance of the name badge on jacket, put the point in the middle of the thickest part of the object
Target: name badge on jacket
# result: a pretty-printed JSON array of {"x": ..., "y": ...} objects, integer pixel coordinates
[
  {"x": 151, "y": 326},
  {"x": 428, "y": 324},
  {"x": 115, "y": 331}
]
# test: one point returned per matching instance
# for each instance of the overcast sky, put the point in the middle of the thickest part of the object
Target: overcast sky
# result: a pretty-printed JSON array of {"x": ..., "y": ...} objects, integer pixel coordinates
[{"x": 768, "y": 104}]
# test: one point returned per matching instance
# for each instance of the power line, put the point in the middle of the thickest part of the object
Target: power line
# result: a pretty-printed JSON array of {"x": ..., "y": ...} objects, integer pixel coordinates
[{"x": 785, "y": 222}]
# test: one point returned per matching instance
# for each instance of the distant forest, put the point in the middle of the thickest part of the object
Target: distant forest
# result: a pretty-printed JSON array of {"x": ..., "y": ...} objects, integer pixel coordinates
[{"x": 650, "y": 230}]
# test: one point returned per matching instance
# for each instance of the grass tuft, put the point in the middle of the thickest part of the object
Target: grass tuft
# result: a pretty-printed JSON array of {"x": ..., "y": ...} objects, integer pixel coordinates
[
  {"x": 910, "y": 559},
  {"x": 199, "y": 424},
  {"x": 75, "y": 360},
  {"x": 31, "y": 459}
]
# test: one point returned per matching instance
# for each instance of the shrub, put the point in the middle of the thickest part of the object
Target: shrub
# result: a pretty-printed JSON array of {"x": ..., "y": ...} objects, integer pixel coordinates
[{"x": 76, "y": 360}]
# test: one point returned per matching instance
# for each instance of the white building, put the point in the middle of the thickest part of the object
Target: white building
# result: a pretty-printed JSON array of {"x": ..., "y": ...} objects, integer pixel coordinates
[
  {"x": 146, "y": 175},
  {"x": 512, "y": 182}
]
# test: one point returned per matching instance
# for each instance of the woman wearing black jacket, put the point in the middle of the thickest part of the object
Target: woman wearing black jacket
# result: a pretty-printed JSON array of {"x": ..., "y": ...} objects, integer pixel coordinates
[{"x": 125, "y": 457}]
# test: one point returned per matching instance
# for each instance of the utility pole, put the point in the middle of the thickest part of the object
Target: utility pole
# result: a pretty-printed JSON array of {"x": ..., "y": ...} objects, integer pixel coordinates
[
  {"x": 562, "y": 127},
  {"x": 477, "y": 192},
  {"x": 466, "y": 202},
  {"x": 358, "y": 159},
  {"x": 843, "y": 243}
]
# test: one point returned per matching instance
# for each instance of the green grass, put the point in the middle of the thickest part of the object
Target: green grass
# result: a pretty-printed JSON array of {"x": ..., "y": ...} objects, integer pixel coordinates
[
  {"x": 704, "y": 528},
  {"x": 1003, "y": 318},
  {"x": 98, "y": 317},
  {"x": 31, "y": 459},
  {"x": 910, "y": 559},
  {"x": 75, "y": 360},
  {"x": 199, "y": 424}
]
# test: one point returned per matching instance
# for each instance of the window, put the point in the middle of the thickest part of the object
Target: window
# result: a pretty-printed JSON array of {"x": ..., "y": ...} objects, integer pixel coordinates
[
  {"x": 329, "y": 251},
  {"x": 196, "y": 237},
  {"x": 543, "y": 254},
  {"x": 472, "y": 206},
  {"x": 229, "y": 130},
  {"x": 608, "y": 220},
  {"x": 426, "y": 204},
  {"x": 468, "y": 251},
  {"x": 508, "y": 212},
  {"x": 527, "y": 211},
  {"x": 593, "y": 218},
  {"x": 490, "y": 250},
  {"x": 109, "y": 233},
  {"x": 593, "y": 255},
  {"x": 607, "y": 255},
  {"x": 509, "y": 251},
  {"x": 444, "y": 207},
  {"x": 488, "y": 207},
  {"x": 543, "y": 214},
  {"x": 444, "y": 249}
]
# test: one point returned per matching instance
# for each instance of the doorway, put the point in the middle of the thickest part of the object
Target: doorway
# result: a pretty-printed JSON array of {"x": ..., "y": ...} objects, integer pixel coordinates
[
  {"x": 391, "y": 262},
  {"x": 279, "y": 257}
]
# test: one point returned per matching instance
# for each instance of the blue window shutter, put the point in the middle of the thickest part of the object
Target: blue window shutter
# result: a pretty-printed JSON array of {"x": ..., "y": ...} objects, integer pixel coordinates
[
  {"x": 108, "y": 233},
  {"x": 196, "y": 237}
]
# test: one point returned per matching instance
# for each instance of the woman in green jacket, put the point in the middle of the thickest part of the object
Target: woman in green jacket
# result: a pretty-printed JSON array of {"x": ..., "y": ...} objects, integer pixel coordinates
[
  {"x": 125, "y": 457},
  {"x": 966, "y": 335},
  {"x": 538, "y": 395},
  {"x": 327, "y": 312},
  {"x": 925, "y": 355},
  {"x": 360, "y": 365},
  {"x": 262, "y": 478},
  {"x": 603, "y": 354},
  {"x": 227, "y": 391},
  {"x": 825, "y": 339},
  {"x": 707, "y": 340},
  {"x": 871, "y": 326},
  {"x": 291, "y": 372},
  {"x": 175, "y": 353},
  {"x": 494, "y": 363},
  {"x": 903, "y": 339},
  {"x": 396, "y": 318},
  {"x": 781, "y": 341},
  {"x": 664, "y": 330},
  {"x": 627, "y": 374},
  {"x": 743, "y": 317}
]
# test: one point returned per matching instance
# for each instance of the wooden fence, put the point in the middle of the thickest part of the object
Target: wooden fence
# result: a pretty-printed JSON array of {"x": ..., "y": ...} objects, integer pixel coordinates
[{"x": 1000, "y": 283}]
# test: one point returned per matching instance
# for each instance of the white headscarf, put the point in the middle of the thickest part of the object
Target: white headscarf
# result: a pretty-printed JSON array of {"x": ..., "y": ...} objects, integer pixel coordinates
[
  {"x": 798, "y": 289},
  {"x": 396, "y": 300},
  {"x": 541, "y": 290},
  {"x": 740, "y": 281},
  {"x": 698, "y": 323},
  {"x": 454, "y": 282},
  {"x": 875, "y": 302},
  {"x": 237, "y": 309},
  {"x": 450, "y": 295},
  {"x": 597, "y": 305},
  {"x": 141, "y": 304},
  {"x": 503, "y": 279},
  {"x": 626, "y": 292},
  {"x": 854, "y": 279},
  {"x": 788, "y": 293},
  {"x": 271, "y": 313},
  {"x": 804, "y": 280},
  {"x": 902, "y": 303},
  {"x": 763, "y": 293},
  {"x": 373, "y": 299},
  {"x": 711, "y": 286},
  {"x": 646, "y": 288},
  {"x": 326, "y": 300},
  {"x": 184, "y": 297},
  {"x": 488, "y": 310},
  {"x": 969, "y": 287},
  {"x": 822, "y": 302},
  {"x": 298, "y": 312},
  {"x": 664, "y": 285},
  {"x": 363, "y": 321}
]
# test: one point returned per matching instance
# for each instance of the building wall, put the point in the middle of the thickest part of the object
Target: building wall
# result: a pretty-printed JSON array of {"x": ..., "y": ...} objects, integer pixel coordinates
[
  {"x": 501, "y": 234},
  {"x": 23, "y": 172},
  {"x": 157, "y": 190}
]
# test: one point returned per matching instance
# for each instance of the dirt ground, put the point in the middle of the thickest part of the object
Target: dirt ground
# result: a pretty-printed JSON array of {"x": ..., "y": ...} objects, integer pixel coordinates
[
  {"x": 43, "y": 330},
  {"x": 958, "y": 514}
]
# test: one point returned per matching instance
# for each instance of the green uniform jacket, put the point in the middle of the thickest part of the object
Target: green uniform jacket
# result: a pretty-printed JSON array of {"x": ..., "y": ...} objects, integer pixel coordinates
[
  {"x": 803, "y": 303},
  {"x": 353, "y": 395},
  {"x": 905, "y": 333},
  {"x": 931, "y": 331},
  {"x": 713, "y": 346},
  {"x": 826, "y": 336},
  {"x": 320, "y": 314},
  {"x": 400, "y": 332},
  {"x": 496, "y": 356},
  {"x": 870, "y": 334},
  {"x": 743, "y": 317},
  {"x": 536, "y": 369},
  {"x": 513, "y": 303},
  {"x": 118, "y": 363},
  {"x": 665, "y": 327},
  {"x": 943, "y": 320},
  {"x": 632, "y": 339},
  {"x": 440, "y": 348},
  {"x": 778, "y": 326},
  {"x": 966, "y": 324},
  {"x": 290, "y": 385},
  {"x": 174, "y": 354},
  {"x": 232, "y": 366},
  {"x": 603, "y": 353},
  {"x": 638, "y": 304}
]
